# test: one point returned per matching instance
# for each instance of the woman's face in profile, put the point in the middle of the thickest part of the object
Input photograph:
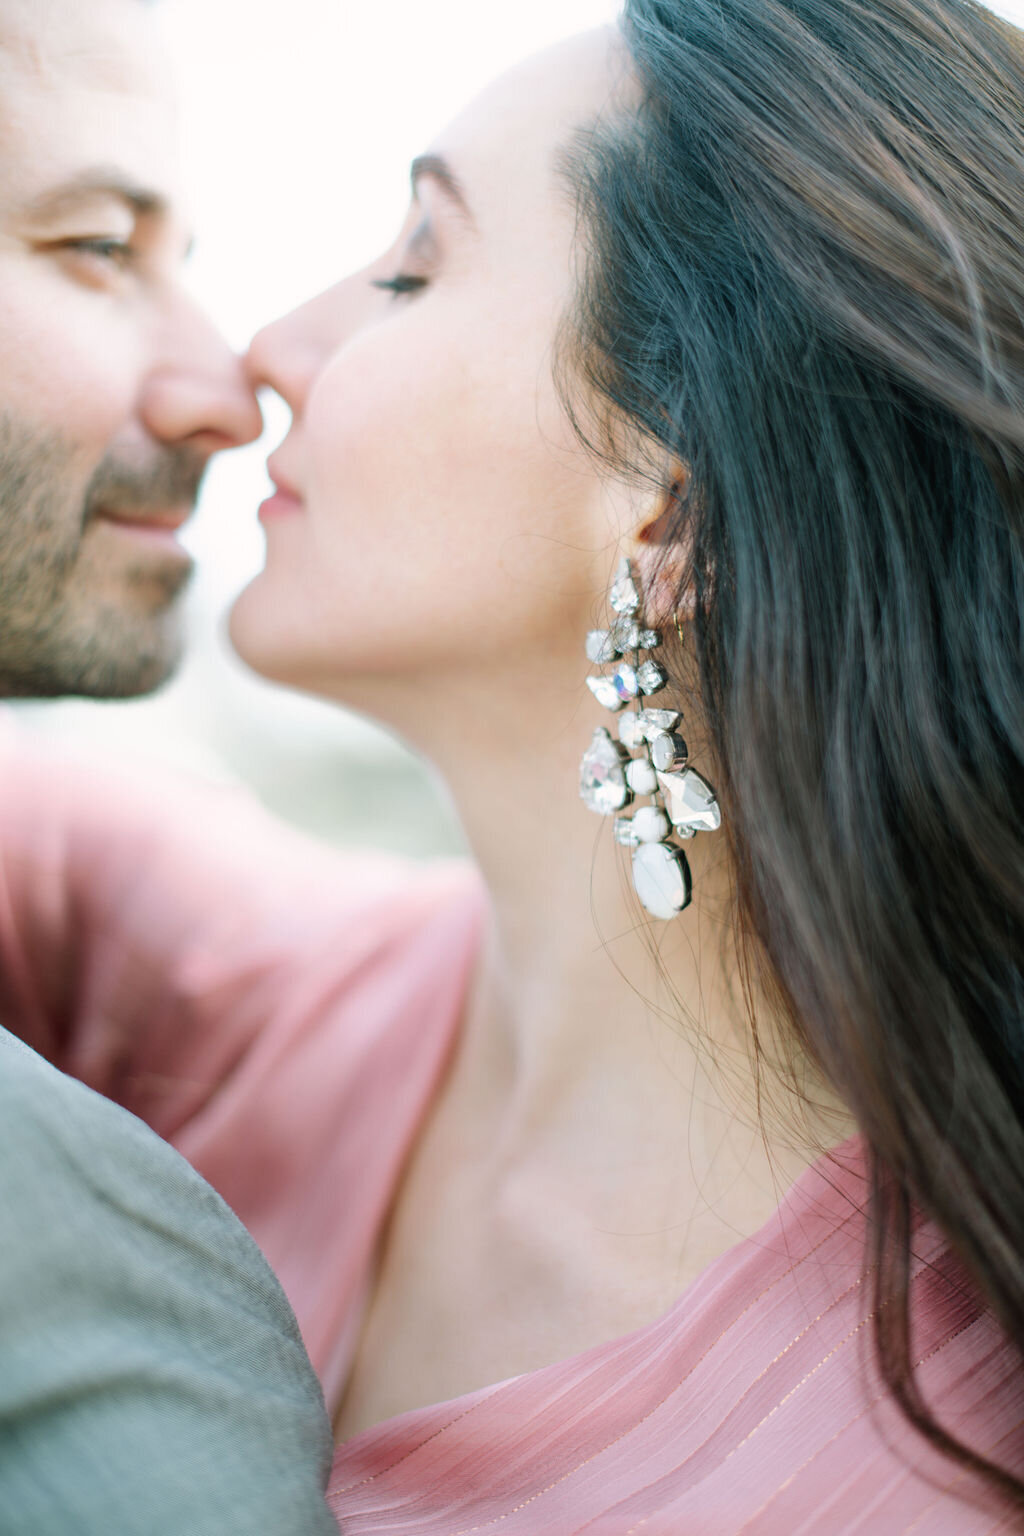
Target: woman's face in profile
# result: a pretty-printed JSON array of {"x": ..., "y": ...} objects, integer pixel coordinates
[{"x": 444, "y": 518}]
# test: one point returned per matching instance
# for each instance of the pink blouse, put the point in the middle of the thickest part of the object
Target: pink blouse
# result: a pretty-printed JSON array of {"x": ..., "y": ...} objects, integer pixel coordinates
[{"x": 284, "y": 1015}]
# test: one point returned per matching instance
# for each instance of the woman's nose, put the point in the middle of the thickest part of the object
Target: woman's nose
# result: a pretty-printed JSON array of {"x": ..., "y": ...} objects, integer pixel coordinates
[{"x": 288, "y": 353}]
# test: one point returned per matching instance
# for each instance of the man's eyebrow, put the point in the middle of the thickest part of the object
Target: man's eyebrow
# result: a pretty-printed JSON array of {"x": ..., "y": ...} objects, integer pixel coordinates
[
  {"x": 99, "y": 182},
  {"x": 438, "y": 169}
]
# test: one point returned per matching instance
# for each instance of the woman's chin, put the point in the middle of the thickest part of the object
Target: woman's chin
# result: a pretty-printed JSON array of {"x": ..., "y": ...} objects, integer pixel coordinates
[
  {"x": 261, "y": 638},
  {"x": 274, "y": 630}
]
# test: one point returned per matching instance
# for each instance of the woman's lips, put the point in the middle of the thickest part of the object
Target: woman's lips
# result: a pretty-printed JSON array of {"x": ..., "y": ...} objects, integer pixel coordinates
[{"x": 281, "y": 504}]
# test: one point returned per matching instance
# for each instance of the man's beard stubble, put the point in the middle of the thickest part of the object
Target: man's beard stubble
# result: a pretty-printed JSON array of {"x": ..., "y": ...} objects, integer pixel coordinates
[{"x": 61, "y": 631}]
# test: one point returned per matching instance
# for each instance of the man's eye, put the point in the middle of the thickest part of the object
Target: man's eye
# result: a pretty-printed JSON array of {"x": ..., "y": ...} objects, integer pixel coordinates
[
  {"x": 402, "y": 282},
  {"x": 118, "y": 253}
]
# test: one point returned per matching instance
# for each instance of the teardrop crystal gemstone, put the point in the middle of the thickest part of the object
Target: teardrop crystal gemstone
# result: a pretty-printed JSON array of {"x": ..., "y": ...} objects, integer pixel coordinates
[
  {"x": 690, "y": 801},
  {"x": 601, "y": 647},
  {"x": 624, "y": 595},
  {"x": 605, "y": 692},
  {"x": 603, "y": 786},
  {"x": 661, "y": 876}
]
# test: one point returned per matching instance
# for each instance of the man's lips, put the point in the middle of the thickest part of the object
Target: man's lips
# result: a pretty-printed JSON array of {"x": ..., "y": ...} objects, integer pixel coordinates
[
  {"x": 156, "y": 531},
  {"x": 163, "y": 519}
]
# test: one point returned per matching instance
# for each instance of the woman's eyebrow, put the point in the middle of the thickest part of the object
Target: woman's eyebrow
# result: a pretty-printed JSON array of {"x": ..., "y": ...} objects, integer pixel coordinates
[{"x": 438, "y": 169}]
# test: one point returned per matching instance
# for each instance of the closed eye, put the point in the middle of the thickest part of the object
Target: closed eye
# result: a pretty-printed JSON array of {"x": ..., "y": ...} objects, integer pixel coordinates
[
  {"x": 402, "y": 282},
  {"x": 106, "y": 248}
]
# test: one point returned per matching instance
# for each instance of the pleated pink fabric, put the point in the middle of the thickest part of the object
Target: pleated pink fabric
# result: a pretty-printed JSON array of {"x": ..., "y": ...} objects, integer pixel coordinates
[
  {"x": 750, "y": 1407},
  {"x": 285, "y": 1016}
]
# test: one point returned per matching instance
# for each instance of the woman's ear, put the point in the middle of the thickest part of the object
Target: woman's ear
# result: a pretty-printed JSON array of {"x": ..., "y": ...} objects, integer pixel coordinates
[{"x": 660, "y": 553}]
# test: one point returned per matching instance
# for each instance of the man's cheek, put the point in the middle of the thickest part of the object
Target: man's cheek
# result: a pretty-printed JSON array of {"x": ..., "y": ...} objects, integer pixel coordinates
[{"x": 62, "y": 366}]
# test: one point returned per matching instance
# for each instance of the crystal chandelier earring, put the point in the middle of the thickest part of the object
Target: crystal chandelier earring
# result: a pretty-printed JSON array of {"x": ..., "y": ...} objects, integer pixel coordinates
[{"x": 649, "y": 760}]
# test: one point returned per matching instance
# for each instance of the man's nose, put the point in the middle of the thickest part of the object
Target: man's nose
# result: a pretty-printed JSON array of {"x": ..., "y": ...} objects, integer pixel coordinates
[{"x": 197, "y": 391}]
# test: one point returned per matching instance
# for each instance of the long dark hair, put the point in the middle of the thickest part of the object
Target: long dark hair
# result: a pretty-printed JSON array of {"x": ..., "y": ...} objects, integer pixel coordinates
[{"x": 804, "y": 281}]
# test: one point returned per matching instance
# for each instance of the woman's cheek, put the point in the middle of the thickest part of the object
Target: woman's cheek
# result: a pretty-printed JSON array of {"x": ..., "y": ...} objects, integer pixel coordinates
[{"x": 401, "y": 416}]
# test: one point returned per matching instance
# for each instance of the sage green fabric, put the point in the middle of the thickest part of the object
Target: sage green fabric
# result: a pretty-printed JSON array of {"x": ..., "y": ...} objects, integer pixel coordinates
[{"x": 152, "y": 1376}]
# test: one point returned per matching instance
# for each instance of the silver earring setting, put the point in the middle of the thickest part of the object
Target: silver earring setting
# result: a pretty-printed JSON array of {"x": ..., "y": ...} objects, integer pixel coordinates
[{"x": 648, "y": 760}]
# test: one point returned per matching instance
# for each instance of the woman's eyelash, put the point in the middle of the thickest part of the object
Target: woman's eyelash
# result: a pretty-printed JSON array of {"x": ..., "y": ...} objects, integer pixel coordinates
[{"x": 402, "y": 282}]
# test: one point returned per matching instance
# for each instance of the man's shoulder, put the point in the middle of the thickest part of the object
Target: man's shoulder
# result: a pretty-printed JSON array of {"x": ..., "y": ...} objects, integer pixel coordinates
[
  {"x": 73, "y": 1165},
  {"x": 152, "y": 1376}
]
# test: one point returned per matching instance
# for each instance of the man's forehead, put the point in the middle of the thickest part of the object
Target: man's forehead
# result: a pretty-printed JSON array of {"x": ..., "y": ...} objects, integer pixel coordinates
[
  {"x": 81, "y": 95},
  {"x": 101, "y": 45}
]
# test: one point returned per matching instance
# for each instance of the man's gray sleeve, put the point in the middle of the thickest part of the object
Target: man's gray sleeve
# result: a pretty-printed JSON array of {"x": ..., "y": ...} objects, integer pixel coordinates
[{"x": 152, "y": 1376}]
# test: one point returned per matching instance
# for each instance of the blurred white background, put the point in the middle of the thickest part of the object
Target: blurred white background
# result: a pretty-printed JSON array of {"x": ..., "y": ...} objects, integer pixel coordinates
[{"x": 300, "y": 120}]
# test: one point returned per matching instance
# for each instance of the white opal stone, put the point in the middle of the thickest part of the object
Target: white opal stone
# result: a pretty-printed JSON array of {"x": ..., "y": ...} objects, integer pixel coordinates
[
  {"x": 651, "y": 824},
  {"x": 600, "y": 647},
  {"x": 661, "y": 876},
  {"x": 603, "y": 786},
  {"x": 605, "y": 692},
  {"x": 690, "y": 801},
  {"x": 641, "y": 777},
  {"x": 651, "y": 677},
  {"x": 630, "y": 730},
  {"x": 668, "y": 751}
]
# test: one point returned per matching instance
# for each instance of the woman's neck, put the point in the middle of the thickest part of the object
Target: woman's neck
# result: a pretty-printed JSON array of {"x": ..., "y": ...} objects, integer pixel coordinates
[{"x": 589, "y": 1021}]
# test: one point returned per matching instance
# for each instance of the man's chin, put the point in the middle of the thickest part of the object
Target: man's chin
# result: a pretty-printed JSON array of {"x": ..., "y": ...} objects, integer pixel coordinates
[
  {"x": 116, "y": 656},
  {"x": 147, "y": 677}
]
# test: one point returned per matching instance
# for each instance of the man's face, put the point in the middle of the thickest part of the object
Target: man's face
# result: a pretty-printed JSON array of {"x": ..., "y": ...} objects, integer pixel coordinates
[{"x": 114, "y": 389}]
